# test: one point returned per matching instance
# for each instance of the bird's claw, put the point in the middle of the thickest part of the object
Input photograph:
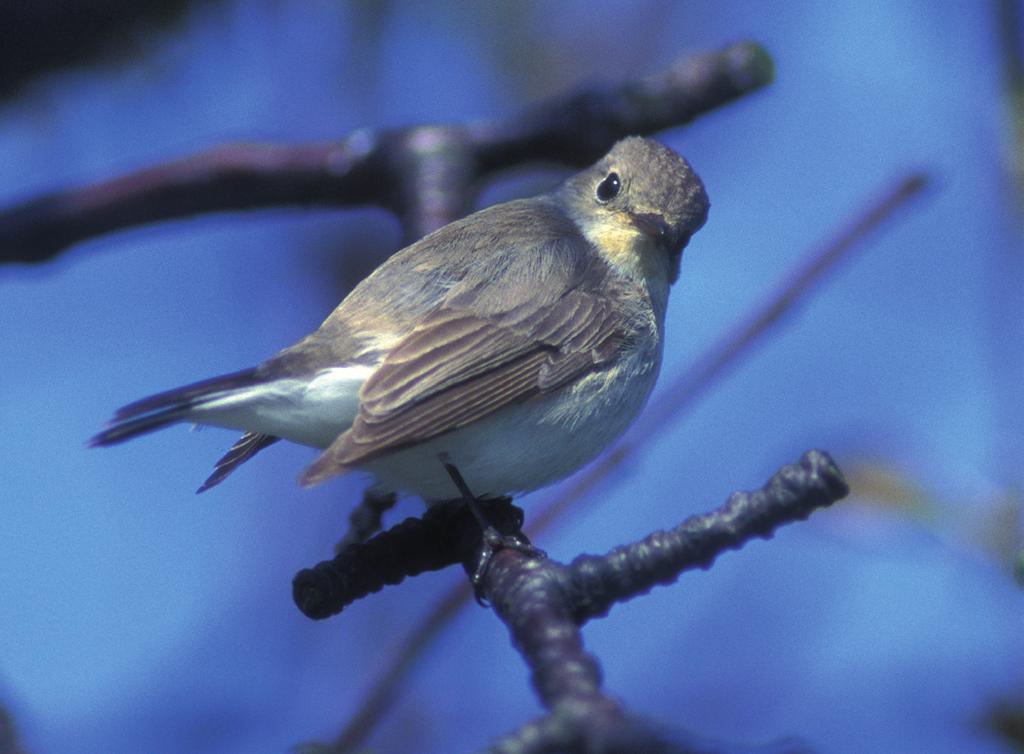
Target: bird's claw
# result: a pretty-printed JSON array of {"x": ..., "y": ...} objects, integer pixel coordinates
[{"x": 490, "y": 542}]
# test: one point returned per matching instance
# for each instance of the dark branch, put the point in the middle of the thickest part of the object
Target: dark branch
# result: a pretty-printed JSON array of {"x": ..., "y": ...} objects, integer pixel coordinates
[
  {"x": 426, "y": 175},
  {"x": 446, "y": 534},
  {"x": 42, "y": 36},
  {"x": 564, "y": 732},
  {"x": 544, "y": 602},
  {"x": 791, "y": 495},
  {"x": 233, "y": 177}
]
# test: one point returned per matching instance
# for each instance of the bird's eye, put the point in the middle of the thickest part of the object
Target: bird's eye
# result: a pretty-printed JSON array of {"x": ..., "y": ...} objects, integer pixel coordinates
[{"x": 609, "y": 188}]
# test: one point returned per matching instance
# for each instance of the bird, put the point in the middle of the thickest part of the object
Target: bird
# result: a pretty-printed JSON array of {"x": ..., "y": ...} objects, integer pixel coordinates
[{"x": 492, "y": 357}]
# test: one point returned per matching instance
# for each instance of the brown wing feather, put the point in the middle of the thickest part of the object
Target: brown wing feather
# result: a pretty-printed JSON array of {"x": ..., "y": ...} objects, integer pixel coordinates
[
  {"x": 456, "y": 368},
  {"x": 451, "y": 408},
  {"x": 449, "y": 348}
]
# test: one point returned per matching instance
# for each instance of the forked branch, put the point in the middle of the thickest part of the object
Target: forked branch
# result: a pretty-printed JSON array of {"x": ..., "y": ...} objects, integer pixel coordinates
[{"x": 544, "y": 603}]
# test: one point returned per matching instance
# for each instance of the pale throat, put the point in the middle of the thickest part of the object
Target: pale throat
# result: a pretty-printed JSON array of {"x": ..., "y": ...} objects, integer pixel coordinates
[{"x": 633, "y": 254}]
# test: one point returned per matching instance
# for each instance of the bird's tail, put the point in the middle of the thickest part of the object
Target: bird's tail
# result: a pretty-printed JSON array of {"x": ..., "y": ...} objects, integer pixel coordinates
[{"x": 169, "y": 407}]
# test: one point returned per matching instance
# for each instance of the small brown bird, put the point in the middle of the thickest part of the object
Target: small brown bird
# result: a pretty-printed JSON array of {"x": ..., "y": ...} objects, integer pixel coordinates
[{"x": 513, "y": 345}]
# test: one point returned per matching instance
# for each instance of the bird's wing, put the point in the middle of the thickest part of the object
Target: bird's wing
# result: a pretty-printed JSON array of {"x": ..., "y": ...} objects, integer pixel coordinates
[
  {"x": 386, "y": 306},
  {"x": 492, "y": 344}
]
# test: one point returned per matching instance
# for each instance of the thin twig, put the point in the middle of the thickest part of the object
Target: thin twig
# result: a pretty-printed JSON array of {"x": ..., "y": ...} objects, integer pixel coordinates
[
  {"x": 726, "y": 353},
  {"x": 1009, "y": 28}
]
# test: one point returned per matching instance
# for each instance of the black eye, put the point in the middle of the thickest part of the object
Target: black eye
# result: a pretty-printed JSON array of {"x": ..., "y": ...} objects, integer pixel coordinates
[{"x": 608, "y": 189}]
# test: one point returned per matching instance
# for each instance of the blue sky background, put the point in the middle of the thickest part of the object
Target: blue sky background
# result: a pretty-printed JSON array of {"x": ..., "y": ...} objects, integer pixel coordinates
[{"x": 138, "y": 617}]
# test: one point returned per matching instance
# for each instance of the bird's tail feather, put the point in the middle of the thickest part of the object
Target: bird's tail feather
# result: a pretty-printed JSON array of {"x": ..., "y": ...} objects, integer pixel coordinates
[
  {"x": 247, "y": 446},
  {"x": 172, "y": 406}
]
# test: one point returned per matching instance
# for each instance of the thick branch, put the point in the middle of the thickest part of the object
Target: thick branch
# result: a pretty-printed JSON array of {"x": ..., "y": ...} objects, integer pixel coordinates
[
  {"x": 544, "y": 602},
  {"x": 446, "y": 534},
  {"x": 563, "y": 732},
  {"x": 362, "y": 568},
  {"x": 426, "y": 175},
  {"x": 233, "y": 177}
]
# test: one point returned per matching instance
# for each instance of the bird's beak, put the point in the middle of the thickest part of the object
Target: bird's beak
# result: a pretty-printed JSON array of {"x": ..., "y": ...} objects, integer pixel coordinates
[{"x": 654, "y": 227}]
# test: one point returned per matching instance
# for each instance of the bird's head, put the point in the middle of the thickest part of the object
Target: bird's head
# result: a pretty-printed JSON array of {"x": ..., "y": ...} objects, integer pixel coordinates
[{"x": 638, "y": 205}]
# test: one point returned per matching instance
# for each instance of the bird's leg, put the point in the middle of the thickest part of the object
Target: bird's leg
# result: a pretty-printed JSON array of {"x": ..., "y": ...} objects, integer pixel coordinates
[{"x": 491, "y": 539}]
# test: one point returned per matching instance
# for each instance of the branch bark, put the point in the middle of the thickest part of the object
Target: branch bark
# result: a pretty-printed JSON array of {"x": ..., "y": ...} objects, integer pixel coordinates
[
  {"x": 427, "y": 175},
  {"x": 544, "y": 603}
]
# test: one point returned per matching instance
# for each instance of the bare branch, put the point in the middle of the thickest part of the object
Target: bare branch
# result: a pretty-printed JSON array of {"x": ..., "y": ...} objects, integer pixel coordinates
[
  {"x": 627, "y": 571},
  {"x": 562, "y": 732},
  {"x": 445, "y": 535},
  {"x": 543, "y": 602},
  {"x": 233, "y": 177},
  {"x": 426, "y": 175},
  {"x": 448, "y": 534}
]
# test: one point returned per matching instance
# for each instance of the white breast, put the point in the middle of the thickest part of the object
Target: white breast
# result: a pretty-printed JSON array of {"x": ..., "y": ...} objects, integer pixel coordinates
[{"x": 527, "y": 445}]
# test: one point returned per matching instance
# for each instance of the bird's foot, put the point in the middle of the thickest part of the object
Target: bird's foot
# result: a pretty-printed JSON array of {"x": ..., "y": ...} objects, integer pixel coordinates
[{"x": 491, "y": 541}]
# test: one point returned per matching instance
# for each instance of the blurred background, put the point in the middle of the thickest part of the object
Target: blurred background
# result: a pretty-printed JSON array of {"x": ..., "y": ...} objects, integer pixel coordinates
[{"x": 135, "y": 616}]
